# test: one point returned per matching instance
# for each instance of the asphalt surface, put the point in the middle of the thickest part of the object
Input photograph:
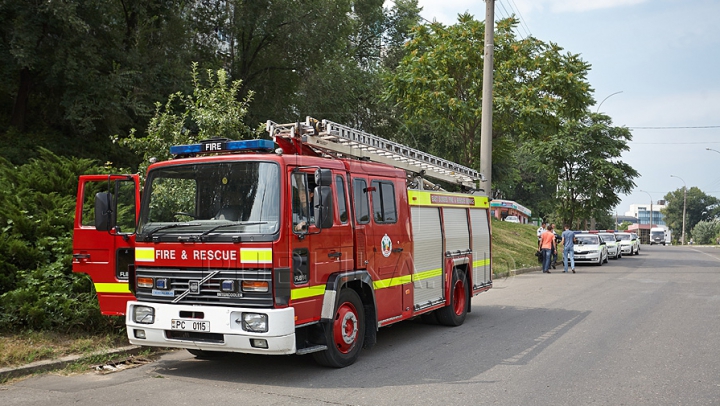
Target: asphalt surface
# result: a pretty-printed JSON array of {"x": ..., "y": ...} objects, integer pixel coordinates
[{"x": 642, "y": 330}]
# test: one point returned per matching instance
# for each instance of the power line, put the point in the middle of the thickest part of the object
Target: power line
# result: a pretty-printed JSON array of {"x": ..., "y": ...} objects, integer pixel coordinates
[
  {"x": 522, "y": 20},
  {"x": 508, "y": 15},
  {"x": 674, "y": 128}
]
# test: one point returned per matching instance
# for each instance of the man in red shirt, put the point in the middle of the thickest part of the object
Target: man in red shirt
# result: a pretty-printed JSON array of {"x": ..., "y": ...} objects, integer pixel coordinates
[{"x": 546, "y": 246}]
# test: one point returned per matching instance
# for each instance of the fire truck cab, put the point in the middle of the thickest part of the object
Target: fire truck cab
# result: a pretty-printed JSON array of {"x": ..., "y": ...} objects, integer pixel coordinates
[{"x": 237, "y": 246}]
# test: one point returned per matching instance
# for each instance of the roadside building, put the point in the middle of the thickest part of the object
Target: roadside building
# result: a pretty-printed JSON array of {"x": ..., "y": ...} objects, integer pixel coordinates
[{"x": 502, "y": 208}]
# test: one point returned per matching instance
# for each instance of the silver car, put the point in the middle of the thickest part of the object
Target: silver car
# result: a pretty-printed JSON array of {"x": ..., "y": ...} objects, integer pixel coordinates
[{"x": 590, "y": 248}]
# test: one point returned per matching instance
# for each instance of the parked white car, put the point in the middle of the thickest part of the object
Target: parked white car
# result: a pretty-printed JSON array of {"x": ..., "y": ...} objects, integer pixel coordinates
[
  {"x": 512, "y": 219},
  {"x": 590, "y": 248},
  {"x": 613, "y": 247},
  {"x": 629, "y": 244}
]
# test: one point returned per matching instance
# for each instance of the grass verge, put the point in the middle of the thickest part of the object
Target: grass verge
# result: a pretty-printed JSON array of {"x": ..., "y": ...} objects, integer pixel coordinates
[
  {"x": 30, "y": 346},
  {"x": 513, "y": 247}
]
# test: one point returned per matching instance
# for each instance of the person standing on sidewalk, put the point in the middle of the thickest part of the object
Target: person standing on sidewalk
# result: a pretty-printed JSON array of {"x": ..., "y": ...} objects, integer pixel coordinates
[
  {"x": 546, "y": 246},
  {"x": 568, "y": 242}
]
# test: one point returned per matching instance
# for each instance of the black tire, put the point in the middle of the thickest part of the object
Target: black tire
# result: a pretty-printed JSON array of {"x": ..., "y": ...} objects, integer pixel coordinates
[
  {"x": 454, "y": 314},
  {"x": 600, "y": 261},
  {"x": 606, "y": 258},
  {"x": 345, "y": 334},
  {"x": 202, "y": 354}
]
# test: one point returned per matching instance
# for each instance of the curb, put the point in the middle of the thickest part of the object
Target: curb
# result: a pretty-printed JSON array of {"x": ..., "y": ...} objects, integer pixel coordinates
[
  {"x": 47, "y": 365},
  {"x": 514, "y": 272}
]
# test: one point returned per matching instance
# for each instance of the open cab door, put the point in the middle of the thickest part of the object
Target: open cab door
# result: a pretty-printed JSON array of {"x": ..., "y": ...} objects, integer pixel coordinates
[{"x": 106, "y": 214}]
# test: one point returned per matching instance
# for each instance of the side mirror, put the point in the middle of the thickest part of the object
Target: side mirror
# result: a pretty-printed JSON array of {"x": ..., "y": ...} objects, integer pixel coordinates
[
  {"x": 323, "y": 177},
  {"x": 323, "y": 202},
  {"x": 104, "y": 212}
]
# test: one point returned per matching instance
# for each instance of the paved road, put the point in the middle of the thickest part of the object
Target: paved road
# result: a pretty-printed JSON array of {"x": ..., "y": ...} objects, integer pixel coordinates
[{"x": 642, "y": 330}]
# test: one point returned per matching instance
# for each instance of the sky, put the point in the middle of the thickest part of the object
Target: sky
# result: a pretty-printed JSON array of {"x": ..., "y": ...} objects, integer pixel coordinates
[{"x": 655, "y": 63}]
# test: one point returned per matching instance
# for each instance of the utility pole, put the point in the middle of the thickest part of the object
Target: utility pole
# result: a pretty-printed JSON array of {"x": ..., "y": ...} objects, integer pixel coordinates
[{"x": 487, "y": 101}]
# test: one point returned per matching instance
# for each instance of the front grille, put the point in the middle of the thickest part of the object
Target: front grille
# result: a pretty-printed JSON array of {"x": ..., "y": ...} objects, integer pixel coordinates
[
  {"x": 209, "y": 293},
  {"x": 193, "y": 336}
]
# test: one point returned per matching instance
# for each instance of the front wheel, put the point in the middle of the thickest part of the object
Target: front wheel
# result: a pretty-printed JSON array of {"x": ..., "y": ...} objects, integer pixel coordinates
[
  {"x": 345, "y": 334},
  {"x": 454, "y": 314}
]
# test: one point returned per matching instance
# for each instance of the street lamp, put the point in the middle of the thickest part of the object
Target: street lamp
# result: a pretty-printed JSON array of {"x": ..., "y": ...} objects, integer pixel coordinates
[
  {"x": 651, "y": 210},
  {"x": 603, "y": 101},
  {"x": 684, "y": 205}
]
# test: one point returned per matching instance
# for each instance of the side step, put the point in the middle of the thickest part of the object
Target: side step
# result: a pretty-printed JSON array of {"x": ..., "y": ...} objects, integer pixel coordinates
[{"x": 308, "y": 350}]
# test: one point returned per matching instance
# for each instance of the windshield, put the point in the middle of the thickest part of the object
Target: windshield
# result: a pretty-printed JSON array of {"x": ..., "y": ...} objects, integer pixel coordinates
[
  {"x": 608, "y": 238},
  {"x": 211, "y": 200},
  {"x": 658, "y": 234},
  {"x": 624, "y": 237},
  {"x": 588, "y": 240}
]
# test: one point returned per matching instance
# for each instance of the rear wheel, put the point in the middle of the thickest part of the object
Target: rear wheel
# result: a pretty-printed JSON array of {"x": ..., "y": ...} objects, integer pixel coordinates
[
  {"x": 454, "y": 314},
  {"x": 345, "y": 334}
]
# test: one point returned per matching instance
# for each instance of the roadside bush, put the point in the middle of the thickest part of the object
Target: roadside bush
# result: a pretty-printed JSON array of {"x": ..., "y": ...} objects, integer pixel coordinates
[
  {"x": 37, "y": 287},
  {"x": 705, "y": 232}
]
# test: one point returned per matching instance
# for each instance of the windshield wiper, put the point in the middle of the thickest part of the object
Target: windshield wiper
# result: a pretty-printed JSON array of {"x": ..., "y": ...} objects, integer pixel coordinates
[
  {"x": 234, "y": 223},
  {"x": 165, "y": 227}
]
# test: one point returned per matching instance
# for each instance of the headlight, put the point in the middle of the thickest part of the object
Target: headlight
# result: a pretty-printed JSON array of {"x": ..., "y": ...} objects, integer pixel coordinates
[
  {"x": 255, "y": 322},
  {"x": 143, "y": 314}
]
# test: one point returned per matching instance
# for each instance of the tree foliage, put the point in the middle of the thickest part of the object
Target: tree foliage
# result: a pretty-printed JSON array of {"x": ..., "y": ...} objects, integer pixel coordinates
[
  {"x": 584, "y": 157},
  {"x": 697, "y": 206},
  {"x": 37, "y": 287},
  {"x": 213, "y": 110},
  {"x": 706, "y": 232},
  {"x": 438, "y": 91}
]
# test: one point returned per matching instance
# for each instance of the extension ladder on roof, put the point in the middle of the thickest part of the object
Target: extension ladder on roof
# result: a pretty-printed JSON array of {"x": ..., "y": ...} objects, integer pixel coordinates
[{"x": 338, "y": 140}]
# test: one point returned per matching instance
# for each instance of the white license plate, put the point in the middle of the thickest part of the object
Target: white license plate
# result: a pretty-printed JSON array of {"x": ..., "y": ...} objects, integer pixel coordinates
[{"x": 190, "y": 325}]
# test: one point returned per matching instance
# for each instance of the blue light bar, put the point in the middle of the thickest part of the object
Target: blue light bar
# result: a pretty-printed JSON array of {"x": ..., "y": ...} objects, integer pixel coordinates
[{"x": 210, "y": 146}]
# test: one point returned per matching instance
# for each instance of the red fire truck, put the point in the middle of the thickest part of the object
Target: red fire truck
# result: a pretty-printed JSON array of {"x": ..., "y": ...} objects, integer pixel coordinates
[{"x": 304, "y": 244}]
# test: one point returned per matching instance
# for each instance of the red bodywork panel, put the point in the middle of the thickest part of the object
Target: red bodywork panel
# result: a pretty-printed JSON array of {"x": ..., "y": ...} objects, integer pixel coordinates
[{"x": 98, "y": 253}]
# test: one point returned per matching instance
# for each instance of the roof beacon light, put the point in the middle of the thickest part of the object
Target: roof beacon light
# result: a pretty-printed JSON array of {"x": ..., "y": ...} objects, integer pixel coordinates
[{"x": 222, "y": 145}]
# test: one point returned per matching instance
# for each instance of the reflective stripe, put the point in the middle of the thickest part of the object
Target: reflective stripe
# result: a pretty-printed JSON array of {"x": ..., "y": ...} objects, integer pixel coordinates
[
  {"x": 256, "y": 255},
  {"x": 145, "y": 254},
  {"x": 387, "y": 283},
  {"x": 310, "y": 291},
  {"x": 120, "y": 287},
  {"x": 481, "y": 262},
  {"x": 426, "y": 274},
  {"x": 447, "y": 199}
]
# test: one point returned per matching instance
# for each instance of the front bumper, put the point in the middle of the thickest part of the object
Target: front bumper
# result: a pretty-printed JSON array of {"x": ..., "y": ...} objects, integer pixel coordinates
[
  {"x": 224, "y": 333},
  {"x": 588, "y": 257},
  {"x": 626, "y": 249}
]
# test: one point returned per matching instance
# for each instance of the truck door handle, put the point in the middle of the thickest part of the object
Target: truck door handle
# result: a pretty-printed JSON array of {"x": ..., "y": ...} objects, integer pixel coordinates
[
  {"x": 335, "y": 254},
  {"x": 397, "y": 250},
  {"x": 81, "y": 256}
]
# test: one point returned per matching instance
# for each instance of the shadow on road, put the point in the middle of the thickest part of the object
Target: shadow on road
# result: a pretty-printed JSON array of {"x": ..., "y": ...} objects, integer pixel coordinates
[{"x": 409, "y": 353}]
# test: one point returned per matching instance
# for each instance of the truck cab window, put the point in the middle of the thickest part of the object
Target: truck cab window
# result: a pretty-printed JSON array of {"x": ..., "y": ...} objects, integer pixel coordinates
[
  {"x": 362, "y": 207},
  {"x": 383, "y": 199},
  {"x": 342, "y": 204}
]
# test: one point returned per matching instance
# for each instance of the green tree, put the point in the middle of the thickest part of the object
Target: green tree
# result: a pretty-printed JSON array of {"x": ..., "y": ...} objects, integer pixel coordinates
[
  {"x": 437, "y": 89},
  {"x": 584, "y": 157},
  {"x": 706, "y": 232},
  {"x": 697, "y": 203},
  {"x": 213, "y": 110}
]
